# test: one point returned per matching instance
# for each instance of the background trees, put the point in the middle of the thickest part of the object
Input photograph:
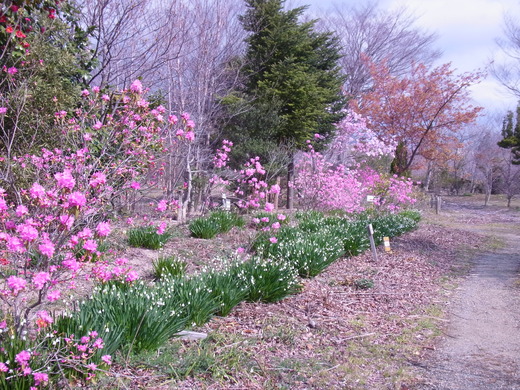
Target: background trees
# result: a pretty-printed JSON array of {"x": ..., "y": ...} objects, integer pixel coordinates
[
  {"x": 365, "y": 31},
  {"x": 44, "y": 57},
  {"x": 511, "y": 135},
  {"x": 420, "y": 111}
]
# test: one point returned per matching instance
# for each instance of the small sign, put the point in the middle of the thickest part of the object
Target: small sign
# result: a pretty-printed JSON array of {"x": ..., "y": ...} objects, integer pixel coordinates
[
  {"x": 386, "y": 241},
  {"x": 370, "y": 198}
]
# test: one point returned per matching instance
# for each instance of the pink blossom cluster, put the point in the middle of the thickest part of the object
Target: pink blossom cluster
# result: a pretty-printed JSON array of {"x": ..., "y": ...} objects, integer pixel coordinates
[
  {"x": 252, "y": 188},
  {"x": 70, "y": 353},
  {"x": 267, "y": 223},
  {"x": 104, "y": 271},
  {"x": 354, "y": 141},
  {"x": 322, "y": 185},
  {"x": 392, "y": 193},
  {"x": 58, "y": 222},
  {"x": 340, "y": 178},
  {"x": 221, "y": 157}
]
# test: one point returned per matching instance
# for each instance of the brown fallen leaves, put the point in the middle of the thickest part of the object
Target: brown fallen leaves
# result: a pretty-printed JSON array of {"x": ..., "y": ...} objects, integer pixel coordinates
[{"x": 334, "y": 334}]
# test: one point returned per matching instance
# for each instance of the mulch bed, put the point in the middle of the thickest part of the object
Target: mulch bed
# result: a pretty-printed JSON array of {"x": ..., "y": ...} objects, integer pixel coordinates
[{"x": 334, "y": 334}]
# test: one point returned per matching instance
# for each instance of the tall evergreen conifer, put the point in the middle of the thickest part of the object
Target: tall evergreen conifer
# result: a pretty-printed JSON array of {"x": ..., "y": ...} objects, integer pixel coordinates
[
  {"x": 292, "y": 87},
  {"x": 511, "y": 135}
]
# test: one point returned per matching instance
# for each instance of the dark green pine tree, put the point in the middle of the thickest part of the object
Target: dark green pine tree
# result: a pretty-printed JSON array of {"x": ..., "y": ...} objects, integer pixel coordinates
[
  {"x": 511, "y": 134},
  {"x": 292, "y": 87}
]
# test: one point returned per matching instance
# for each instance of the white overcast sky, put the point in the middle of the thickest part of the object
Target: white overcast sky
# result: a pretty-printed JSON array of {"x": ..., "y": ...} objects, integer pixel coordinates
[{"x": 467, "y": 31}]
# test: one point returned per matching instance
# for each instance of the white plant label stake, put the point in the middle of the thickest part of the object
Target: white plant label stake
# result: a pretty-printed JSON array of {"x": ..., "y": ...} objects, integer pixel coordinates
[{"x": 372, "y": 243}]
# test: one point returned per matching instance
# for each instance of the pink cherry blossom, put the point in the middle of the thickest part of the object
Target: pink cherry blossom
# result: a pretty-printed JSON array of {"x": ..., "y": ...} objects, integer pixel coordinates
[
  {"x": 67, "y": 221},
  {"x": 107, "y": 359},
  {"x": 98, "y": 179},
  {"x": 132, "y": 276},
  {"x": 136, "y": 87},
  {"x": 15, "y": 245},
  {"x": 37, "y": 191},
  {"x": 269, "y": 207},
  {"x": 85, "y": 233},
  {"x": 54, "y": 295},
  {"x": 43, "y": 319},
  {"x": 23, "y": 357},
  {"x": 40, "y": 378},
  {"x": 21, "y": 210},
  {"x": 90, "y": 245},
  {"x": 47, "y": 248},
  {"x": 189, "y": 135},
  {"x": 162, "y": 205},
  {"x": 162, "y": 228},
  {"x": 27, "y": 232}
]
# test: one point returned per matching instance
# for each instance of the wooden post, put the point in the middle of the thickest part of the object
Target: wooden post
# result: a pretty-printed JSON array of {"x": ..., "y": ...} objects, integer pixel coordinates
[
  {"x": 438, "y": 204},
  {"x": 372, "y": 242},
  {"x": 180, "y": 210},
  {"x": 290, "y": 177}
]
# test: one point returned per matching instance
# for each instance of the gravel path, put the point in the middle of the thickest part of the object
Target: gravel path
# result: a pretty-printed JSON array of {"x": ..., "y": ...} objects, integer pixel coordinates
[{"x": 481, "y": 349}]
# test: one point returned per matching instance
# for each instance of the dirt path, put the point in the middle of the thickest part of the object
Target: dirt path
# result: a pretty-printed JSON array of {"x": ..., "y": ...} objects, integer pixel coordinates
[{"x": 481, "y": 349}]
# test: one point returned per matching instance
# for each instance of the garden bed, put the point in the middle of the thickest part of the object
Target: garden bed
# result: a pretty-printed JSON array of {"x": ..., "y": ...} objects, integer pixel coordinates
[{"x": 334, "y": 334}]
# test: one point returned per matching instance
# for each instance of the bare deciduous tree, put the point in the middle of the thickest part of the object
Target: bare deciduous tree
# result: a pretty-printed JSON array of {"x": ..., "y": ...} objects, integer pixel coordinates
[
  {"x": 365, "y": 31},
  {"x": 508, "y": 72}
]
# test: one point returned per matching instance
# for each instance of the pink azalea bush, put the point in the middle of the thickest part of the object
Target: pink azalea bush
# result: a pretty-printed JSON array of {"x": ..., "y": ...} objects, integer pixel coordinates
[
  {"x": 248, "y": 184},
  {"x": 51, "y": 228}
]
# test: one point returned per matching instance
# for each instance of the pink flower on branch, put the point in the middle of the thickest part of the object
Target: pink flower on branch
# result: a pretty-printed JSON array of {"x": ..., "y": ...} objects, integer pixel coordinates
[
  {"x": 77, "y": 199},
  {"x": 40, "y": 279},
  {"x": 162, "y": 205},
  {"x": 65, "y": 180},
  {"x": 136, "y": 87},
  {"x": 16, "y": 284},
  {"x": 103, "y": 229}
]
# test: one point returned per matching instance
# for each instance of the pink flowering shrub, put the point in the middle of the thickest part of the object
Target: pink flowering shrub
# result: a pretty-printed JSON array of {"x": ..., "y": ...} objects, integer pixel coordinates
[
  {"x": 341, "y": 178},
  {"x": 28, "y": 362},
  {"x": 248, "y": 184},
  {"x": 51, "y": 227}
]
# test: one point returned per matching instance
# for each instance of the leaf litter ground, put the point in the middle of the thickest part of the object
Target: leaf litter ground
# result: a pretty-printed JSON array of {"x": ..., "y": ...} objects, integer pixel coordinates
[{"x": 333, "y": 334}]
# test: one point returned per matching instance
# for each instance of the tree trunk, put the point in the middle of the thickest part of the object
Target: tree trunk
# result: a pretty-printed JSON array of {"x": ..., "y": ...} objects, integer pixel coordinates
[
  {"x": 290, "y": 189},
  {"x": 277, "y": 195},
  {"x": 428, "y": 179}
]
